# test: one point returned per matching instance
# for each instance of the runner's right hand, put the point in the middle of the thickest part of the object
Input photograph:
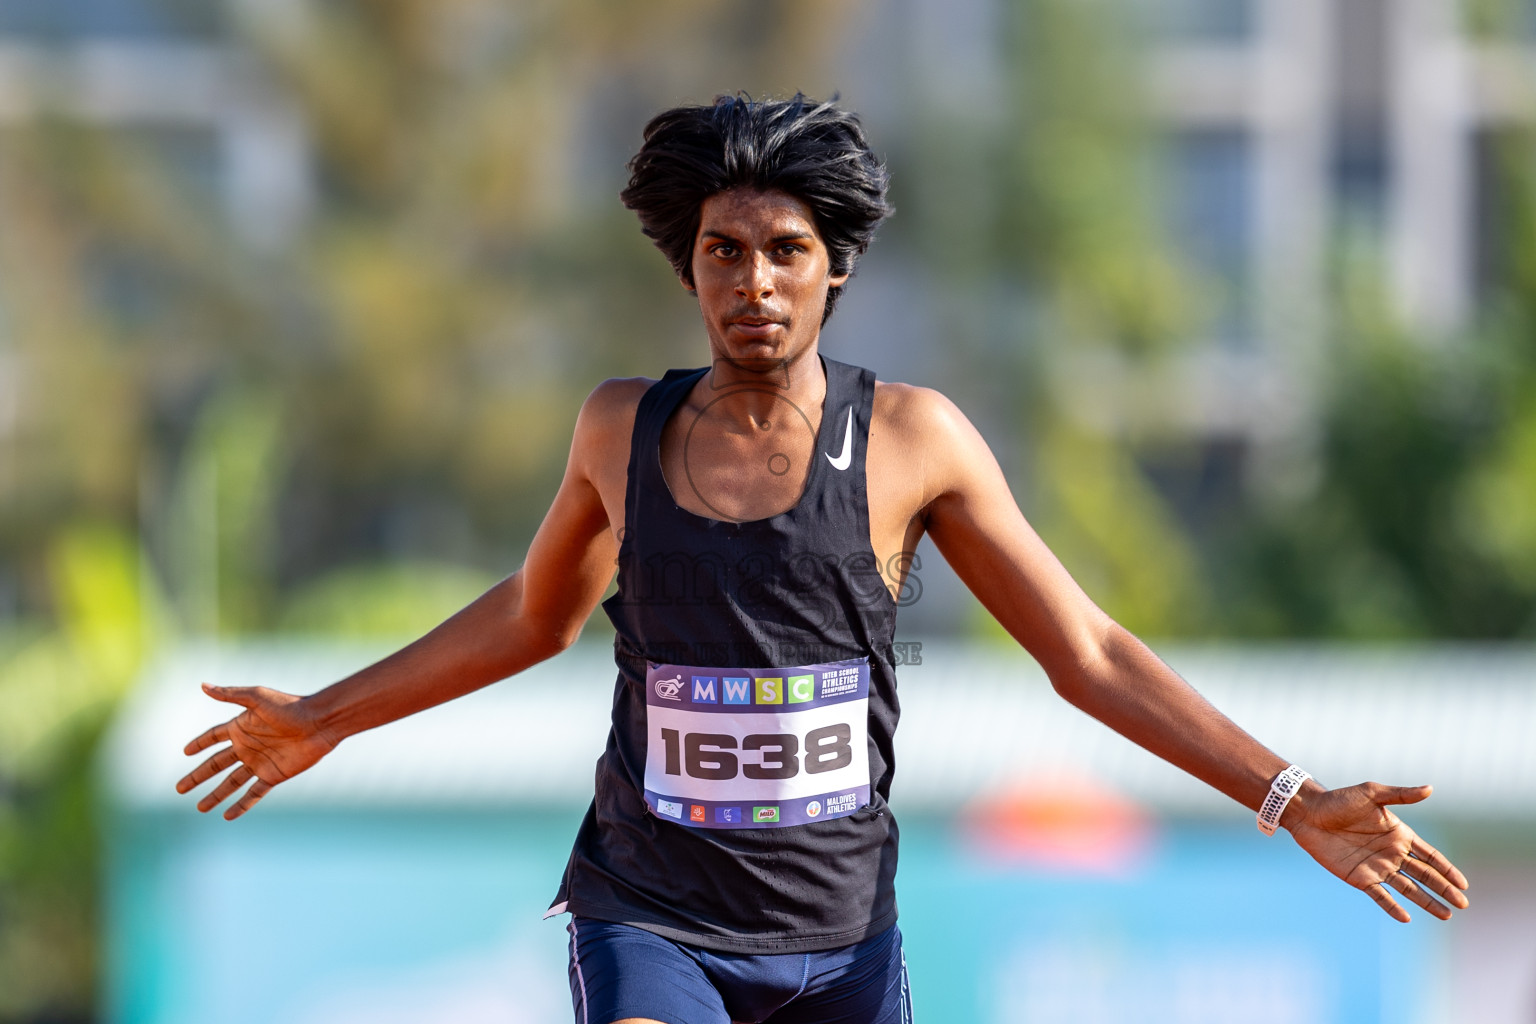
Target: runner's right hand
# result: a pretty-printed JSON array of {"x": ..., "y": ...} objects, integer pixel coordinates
[{"x": 271, "y": 741}]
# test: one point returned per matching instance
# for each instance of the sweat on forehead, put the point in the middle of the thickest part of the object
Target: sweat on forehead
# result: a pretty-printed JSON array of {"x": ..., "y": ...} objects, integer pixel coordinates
[{"x": 773, "y": 209}]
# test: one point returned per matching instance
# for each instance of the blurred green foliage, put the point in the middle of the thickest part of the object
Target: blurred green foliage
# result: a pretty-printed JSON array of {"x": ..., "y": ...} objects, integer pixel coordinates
[
  {"x": 1080, "y": 227},
  {"x": 394, "y": 600},
  {"x": 1419, "y": 523},
  {"x": 1494, "y": 19},
  {"x": 58, "y": 686},
  {"x": 1081, "y": 223}
]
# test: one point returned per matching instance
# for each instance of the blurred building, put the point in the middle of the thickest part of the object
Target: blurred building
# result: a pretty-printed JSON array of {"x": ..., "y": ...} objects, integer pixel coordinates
[
  {"x": 1292, "y": 128},
  {"x": 168, "y": 74},
  {"x": 1288, "y": 121},
  {"x": 1301, "y": 125}
]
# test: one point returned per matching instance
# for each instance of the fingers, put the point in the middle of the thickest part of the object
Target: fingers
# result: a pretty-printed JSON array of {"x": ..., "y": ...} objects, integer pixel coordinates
[
  {"x": 218, "y": 734},
  {"x": 1384, "y": 900},
  {"x": 245, "y": 696},
  {"x": 225, "y": 758},
  {"x": 1424, "y": 862},
  {"x": 1415, "y": 892},
  {"x": 233, "y": 781},
  {"x": 258, "y": 790},
  {"x": 1435, "y": 882},
  {"x": 1437, "y": 860},
  {"x": 227, "y": 788},
  {"x": 1399, "y": 794}
]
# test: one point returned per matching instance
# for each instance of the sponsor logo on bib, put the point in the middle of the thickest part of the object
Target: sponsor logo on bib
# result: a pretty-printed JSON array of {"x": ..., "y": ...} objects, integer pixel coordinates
[
  {"x": 667, "y": 689},
  {"x": 670, "y": 809},
  {"x": 728, "y": 815},
  {"x": 843, "y": 802},
  {"x": 765, "y": 814},
  {"x": 695, "y": 813}
]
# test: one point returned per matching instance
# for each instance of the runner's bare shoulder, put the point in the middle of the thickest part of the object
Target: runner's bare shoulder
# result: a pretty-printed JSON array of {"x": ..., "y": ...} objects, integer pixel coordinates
[
  {"x": 913, "y": 416},
  {"x": 612, "y": 404},
  {"x": 921, "y": 446},
  {"x": 607, "y": 420}
]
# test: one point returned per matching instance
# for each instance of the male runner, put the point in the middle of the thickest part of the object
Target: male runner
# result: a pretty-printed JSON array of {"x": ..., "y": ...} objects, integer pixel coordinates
[{"x": 737, "y": 862}]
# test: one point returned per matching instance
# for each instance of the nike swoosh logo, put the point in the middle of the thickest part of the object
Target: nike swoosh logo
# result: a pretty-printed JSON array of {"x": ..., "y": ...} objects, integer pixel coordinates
[{"x": 846, "y": 458}]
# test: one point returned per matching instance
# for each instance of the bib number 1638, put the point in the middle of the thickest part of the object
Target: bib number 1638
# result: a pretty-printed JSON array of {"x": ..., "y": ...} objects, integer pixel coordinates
[{"x": 710, "y": 755}]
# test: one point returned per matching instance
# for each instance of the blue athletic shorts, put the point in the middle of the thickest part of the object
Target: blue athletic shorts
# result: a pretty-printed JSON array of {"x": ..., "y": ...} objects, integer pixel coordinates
[{"x": 619, "y": 971}]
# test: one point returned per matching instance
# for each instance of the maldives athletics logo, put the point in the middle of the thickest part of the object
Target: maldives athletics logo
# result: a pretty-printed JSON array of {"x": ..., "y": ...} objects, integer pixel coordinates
[{"x": 813, "y": 809}]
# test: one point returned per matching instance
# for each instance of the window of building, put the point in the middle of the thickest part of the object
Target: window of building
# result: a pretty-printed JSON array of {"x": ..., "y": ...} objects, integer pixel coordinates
[
  {"x": 1214, "y": 21},
  {"x": 1211, "y": 218}
]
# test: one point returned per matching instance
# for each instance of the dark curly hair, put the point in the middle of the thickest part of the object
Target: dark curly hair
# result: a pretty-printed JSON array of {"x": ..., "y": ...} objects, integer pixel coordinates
[{"x": 813, "y": 151}]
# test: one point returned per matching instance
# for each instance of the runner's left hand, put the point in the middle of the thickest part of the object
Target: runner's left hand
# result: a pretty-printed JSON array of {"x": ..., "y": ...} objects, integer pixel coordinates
[{"x": 1353, "y": 834}]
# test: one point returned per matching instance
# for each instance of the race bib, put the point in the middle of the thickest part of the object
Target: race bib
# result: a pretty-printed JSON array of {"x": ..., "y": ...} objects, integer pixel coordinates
[{"x": 757, "y": 748}]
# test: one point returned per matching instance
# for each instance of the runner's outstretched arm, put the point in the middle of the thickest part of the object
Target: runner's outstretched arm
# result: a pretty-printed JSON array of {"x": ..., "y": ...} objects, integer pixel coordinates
[
  {"x": 531, "y": 615},
  {"x": 1102, "y": 669}
]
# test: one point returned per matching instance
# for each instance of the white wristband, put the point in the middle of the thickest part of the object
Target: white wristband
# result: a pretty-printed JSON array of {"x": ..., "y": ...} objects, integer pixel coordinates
[{"x": 1286, "y": 785}]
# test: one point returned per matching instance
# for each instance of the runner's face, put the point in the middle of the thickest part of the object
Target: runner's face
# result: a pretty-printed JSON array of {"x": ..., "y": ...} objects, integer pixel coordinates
[{"x": 761, "y": 272}]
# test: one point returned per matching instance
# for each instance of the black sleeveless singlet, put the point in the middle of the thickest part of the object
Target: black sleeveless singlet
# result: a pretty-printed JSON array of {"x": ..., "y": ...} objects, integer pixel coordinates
[{"x": 793, "y": 589}]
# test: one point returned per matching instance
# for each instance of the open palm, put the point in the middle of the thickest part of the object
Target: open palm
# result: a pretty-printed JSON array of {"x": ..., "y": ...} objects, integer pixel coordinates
[
  {"x": 271, "y": 741},
  {"x": 1352, "y": 833}
]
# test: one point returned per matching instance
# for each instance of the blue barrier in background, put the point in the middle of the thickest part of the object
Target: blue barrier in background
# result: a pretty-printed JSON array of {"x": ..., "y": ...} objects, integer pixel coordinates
[{"x": 385, "y": 916}]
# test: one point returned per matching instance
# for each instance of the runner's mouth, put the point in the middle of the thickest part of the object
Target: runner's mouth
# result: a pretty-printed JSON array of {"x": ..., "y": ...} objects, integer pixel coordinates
[{"x": 757, "y": 327}]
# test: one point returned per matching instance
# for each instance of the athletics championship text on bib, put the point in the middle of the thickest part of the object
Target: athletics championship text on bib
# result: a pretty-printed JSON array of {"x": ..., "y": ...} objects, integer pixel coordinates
[{"x": 757, "y": 748}]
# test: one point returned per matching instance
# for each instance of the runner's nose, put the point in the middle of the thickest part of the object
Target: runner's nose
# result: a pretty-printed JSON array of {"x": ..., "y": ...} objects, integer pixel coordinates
[{"x": 756, "y": 281}]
